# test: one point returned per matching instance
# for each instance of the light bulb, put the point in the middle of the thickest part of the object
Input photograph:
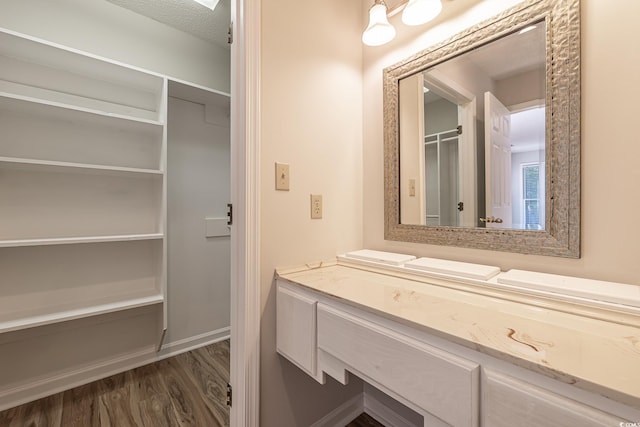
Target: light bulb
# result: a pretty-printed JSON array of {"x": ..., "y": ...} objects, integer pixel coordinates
[
  {"x": 418, "y": 12},
  {"x": 379, "y": 31}
]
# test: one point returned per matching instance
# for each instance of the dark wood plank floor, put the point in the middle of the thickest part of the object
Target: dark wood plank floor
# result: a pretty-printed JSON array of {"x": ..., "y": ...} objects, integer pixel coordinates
[
  {"x": 364, "y": 420},
  {"x": 186, "y": 390}
]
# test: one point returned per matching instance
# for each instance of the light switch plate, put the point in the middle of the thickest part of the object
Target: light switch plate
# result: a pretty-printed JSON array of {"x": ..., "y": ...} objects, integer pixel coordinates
[
  {"x": 316, "y": 206},
  {"x": 282, "y": 176}
]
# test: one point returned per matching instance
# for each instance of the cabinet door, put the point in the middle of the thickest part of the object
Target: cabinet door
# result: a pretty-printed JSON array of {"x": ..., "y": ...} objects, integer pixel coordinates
[
  {"x": 509, "y": 402},
  {"x": 296, "y": 328}
]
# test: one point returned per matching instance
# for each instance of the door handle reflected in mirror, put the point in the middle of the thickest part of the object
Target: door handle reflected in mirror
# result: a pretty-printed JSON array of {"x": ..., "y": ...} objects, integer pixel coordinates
[{"x": 491, "y": 220}]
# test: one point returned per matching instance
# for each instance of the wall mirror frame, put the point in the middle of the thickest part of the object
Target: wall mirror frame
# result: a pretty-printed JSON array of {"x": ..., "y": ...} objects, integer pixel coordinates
[{"x": 561, "y": 234}]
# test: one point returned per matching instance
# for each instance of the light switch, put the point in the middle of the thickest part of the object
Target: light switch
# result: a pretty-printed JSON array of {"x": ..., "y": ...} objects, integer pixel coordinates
[
  {"x": 282, "y": 176},
  {"x": 412, "y": 188},
  {"x": 316, "y": 206}
]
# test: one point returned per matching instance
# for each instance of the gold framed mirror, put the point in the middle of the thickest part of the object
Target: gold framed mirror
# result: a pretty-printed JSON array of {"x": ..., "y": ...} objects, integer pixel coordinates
[{"x": 482, "y": 136}]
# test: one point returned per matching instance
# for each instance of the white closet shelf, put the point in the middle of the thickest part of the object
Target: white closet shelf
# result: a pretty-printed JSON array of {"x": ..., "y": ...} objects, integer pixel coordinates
[
  {"x": 15, "y": 101},
  {"x": 77, "y": 240},
  {"x": 22, "y": 320},
  {"x": 52, "y": 165}
]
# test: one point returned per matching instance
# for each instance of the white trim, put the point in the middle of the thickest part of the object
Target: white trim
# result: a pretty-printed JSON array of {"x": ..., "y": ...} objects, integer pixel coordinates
[
  {"x": 192, "y": 343},
  {"x": 343, "y": 414},
  {"x": 528, "y": 105},
  {"x": 444, "y": 86},
  {"x": 363, "y": 402},
  {"x": 383, "y": 413},
  {"x": 68, "y": 379},
  {"x": 245, "y": 196}
]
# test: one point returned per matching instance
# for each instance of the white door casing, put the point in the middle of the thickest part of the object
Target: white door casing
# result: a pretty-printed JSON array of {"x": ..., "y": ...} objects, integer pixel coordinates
[
  {"x": 245, "y": 187},
  {"x": 412, "y": 174},
  {"x": 445, "y": 87}
]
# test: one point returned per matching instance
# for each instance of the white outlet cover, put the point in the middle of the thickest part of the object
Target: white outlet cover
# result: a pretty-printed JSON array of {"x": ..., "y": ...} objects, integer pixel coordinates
[{"x": 316, "y": 206}]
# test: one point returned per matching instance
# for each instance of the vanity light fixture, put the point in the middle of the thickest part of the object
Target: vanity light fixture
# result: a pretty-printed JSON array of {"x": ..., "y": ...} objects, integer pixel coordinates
[
  {"x": 379, "y": 31},
  {"x": 414, "y": 12},
  {"x": 418, "y": 12}
]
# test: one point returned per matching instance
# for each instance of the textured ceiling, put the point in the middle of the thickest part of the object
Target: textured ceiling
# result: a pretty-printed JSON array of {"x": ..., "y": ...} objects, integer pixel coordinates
[{"x": 186, "y": 15}]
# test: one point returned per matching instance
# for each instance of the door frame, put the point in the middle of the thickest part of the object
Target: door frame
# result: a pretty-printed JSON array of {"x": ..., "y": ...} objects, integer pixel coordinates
[
  {"x": 245, "y": 197},
  {"x": 445, "y": 87}
]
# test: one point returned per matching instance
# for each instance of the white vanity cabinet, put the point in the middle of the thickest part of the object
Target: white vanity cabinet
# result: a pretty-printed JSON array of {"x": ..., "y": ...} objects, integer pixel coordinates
[
  {"x": 324, "y": 330},
  {"x": 296, "y": 329},
  {"x": 508, "y": 401},
  {"x": 322, "y": 338},
  {"x": 437, "y": 382}
]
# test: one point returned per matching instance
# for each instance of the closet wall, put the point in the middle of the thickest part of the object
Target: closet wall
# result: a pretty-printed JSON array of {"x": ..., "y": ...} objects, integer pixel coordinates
[
  {"x": 84, "y": 187},
  {"x": 199, "y": 250}
]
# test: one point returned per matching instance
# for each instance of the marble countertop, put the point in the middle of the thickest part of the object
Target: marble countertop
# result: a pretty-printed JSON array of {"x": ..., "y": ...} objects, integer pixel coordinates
[{"x": 594, "y": 354}]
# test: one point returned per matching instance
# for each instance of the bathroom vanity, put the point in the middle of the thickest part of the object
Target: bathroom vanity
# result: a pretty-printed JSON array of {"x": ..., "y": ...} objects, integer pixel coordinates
[{"x": 467, "y": 345}]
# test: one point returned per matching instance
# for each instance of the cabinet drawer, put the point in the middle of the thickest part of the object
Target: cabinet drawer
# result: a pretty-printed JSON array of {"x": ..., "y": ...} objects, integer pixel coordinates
[
  {"x": 296, "y": 329},
  {"x": 442, "y": 384},
  {"x": 509, "y": 402}
]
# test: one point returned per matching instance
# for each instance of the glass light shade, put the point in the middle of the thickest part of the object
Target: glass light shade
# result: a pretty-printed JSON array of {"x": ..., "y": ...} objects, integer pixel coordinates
[
  {"x": 379, "y": 31},
  {"x": 418, "y": 12}
]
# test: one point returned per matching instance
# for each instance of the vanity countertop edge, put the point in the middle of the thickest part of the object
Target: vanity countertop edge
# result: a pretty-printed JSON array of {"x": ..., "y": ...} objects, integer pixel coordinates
[{"x": 592, "y": 349}]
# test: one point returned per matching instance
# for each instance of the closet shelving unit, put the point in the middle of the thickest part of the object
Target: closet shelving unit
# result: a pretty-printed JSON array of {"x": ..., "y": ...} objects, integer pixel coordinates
[
  {"x": 82, "y": 185},
  {"x": 441, "y": 157}
]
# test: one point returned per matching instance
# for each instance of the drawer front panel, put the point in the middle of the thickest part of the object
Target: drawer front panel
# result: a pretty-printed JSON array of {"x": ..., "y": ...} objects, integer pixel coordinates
[
  {"x": 440, "y": 383},
  {"x": 296, "y": 329},
  {"x": 509, "y": 402}
]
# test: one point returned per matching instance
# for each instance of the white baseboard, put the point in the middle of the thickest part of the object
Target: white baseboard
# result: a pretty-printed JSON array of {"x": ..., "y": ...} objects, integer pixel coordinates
[
  {"x": 384, "y": 414},
  {"x": 46, "y": 386},
  {"x": 191, "y": 343},
  {"x": 360, "y": 403},
  {"x": 343, "y": 414}
]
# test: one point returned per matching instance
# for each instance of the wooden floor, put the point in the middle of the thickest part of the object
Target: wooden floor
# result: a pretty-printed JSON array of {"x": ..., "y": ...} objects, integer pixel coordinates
[
  {"x": 186, "y": 390},
  {"x": 364, "y": 420}
]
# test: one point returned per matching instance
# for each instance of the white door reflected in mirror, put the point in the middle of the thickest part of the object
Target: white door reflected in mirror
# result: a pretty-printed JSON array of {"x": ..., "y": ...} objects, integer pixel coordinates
[{"x": 497, "y": 119}]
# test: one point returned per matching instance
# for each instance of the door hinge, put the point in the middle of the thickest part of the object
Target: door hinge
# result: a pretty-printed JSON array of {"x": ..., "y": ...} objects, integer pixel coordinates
[
  {"x": 230, "y": 214},
  {"x": 459, "y": 128},
  {"x": 229, "y": 395},
  {"x": 460, "y": 206},
  {"x": 230, "y": 34}
]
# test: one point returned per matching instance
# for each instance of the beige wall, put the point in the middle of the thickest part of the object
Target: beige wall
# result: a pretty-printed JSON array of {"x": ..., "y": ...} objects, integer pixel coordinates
[
  {"x": 610, "y": 168},
  {"x": 311, "y": 118}
]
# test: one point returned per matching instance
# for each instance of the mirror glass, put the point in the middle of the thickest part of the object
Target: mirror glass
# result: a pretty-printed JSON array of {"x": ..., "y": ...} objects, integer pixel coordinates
[
  {"x": 482, "y": 135},
  {"x": 472, "y": 137}
]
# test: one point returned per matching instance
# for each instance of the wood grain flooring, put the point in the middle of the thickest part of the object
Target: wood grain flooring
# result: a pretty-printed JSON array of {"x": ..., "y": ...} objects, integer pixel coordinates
[
  {"x": 186, "y": 390},
  {"x": 364, "y": 420}
]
